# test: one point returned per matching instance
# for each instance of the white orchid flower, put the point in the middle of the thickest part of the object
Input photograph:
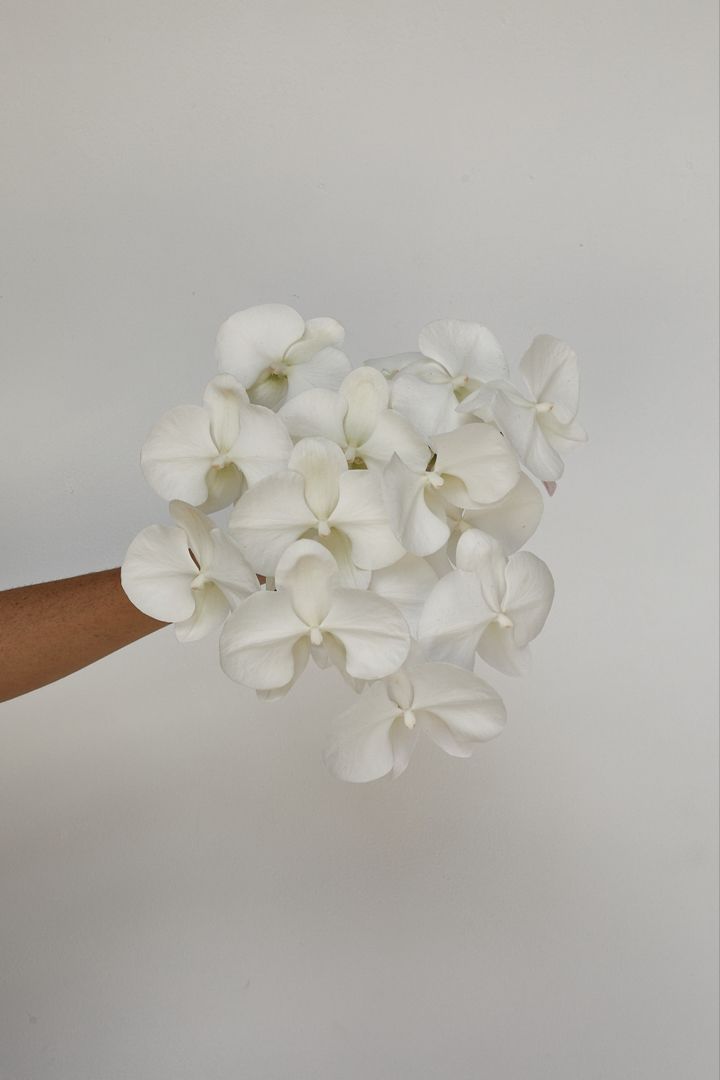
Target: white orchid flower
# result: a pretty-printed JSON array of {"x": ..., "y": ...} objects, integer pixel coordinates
[
  {"x": 266, "y": 642},
  {"x": 491, "y": 605},
  {"x": 474, "y": 466},
  {"x": 455, "y": 358},
  {"x": 276, "y": 354},
  {"x": 359, "y": 420},
  {"x": 317, "y": 497},
  {"x": 542, "y": 426},
  {"x": 376, "y": 736},
  {"x": 191, "y": 574},
  {"x": 407, "y": 584},
  {"x": 512, "y": 520},
  {"x": 208, "y": 455}
]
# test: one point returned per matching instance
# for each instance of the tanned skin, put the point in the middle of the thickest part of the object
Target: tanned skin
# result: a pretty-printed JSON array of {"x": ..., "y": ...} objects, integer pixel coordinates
[{"x": 48, "y": 631}]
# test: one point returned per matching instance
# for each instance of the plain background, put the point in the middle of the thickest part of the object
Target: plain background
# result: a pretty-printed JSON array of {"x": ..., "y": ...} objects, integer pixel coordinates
[{"x": 185, "y": 894}]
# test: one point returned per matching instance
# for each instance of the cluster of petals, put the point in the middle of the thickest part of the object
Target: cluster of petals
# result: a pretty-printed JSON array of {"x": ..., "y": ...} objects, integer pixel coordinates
[
  {"x": 375, "y": 517},
  {"x": 542, "y": 425}
]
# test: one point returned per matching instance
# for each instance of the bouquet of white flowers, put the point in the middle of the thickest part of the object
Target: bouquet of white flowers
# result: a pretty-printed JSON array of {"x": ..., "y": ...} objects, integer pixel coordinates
[{"x": 377, "y": 515}]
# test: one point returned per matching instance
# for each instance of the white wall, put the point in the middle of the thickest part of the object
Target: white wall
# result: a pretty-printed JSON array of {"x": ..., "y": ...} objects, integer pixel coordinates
[{"x": 184, "y": 893}]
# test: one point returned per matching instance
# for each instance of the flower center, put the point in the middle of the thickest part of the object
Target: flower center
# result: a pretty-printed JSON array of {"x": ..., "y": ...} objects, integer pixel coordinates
[
  {"x": 323, "y": 528},
  {"x": 503, "y": 621},
  {"x": 543, "y": 406},
  {"x": 434, "y": 480},
  {"x": 315, "y": 635},
  {"x": 408, "y": 718}
]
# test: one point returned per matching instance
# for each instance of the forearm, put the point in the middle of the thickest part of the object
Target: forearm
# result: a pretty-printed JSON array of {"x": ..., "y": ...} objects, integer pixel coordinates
[{"x": 48, "y": 631}]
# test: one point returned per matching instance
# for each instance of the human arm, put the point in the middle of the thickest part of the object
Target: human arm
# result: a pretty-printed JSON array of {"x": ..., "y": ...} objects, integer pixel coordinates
[{"x": 49, "y": 630}]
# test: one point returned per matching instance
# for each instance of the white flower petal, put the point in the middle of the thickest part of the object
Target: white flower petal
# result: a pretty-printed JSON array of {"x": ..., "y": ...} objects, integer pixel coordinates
[
  {"x": 229, "y": 568},
  {"x": 177, "y": 454},
  {"x": 512, "y": 520},
  {"x": 223, "y": 399},
  {"x": 340, "y": 547},
  {"x": 258, "y": 640},
  {"x": 406, "y": 584},
  {"x": 252, "y": 340},
  {"x": 372, "y": 630},
  {"x": 463, "y": 348},
  {"x": 455, "y": 615},
  {"x": 529, "y": 595},
  {"x": 562, "y": 437},
  {"x": 270, "y": 390},
  {"x": 211, "y": 607},
  {"x": 263, "y": 445},
  {"x": 540, "y": 458},
  {"x": 405, "y": 492},
  {"x": 367, "y": 394},
  {"x": 466, "y": 707},
  {"x": 300, "y": 656},
  {"x": 318, "y": 334},
  {"x": 498, "y": 648},
  {"x": 316, "y": 412},
  {"x": 478, "y": 456},
  {"x": 331, "y": 652},
  {"x": 224, "y": 486},
  {"x": 481, "y": 554},
  {"x": 550, "y": 369},
  {"x": 308, "y": 571},
  {"x": 360, "y": 514},
  {"x": 321, "y": 463},
  {"x": 442, "y": 736},
  {"x": 402, "y": 740},
  {"x": 360, "y": 748},
  {"x": 197, "y": 528},
  {"x": 269, "y": 517},
  {"x": 431, "y": 407},
  {"x": 326, "y": 369},
  {"x": 394, "y": 434},
  {"x": 157, "y": 573},
  {"x": 518, "y": 420}
]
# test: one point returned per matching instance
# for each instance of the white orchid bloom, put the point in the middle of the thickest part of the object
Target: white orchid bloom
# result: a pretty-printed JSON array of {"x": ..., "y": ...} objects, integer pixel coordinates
[
  {"x": 359, "y": 420},
  {"x": 474, "y": 466},
  {"x": 276, "y": 354},
  {"x": 191, "y": 574},
  {"x": 542, "y": 426},
  {"x": 317, "y": 497},
  {"x": 208, "y": 455},
  {"x": 407, "y": 584},
  {"x": 491, "y": 605},
  {"x": 512, "y": 520},
  {"x": 455, "y": 708},
  {"x": 266, "y": 642},
  {"x": 455, "y": 358}
]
